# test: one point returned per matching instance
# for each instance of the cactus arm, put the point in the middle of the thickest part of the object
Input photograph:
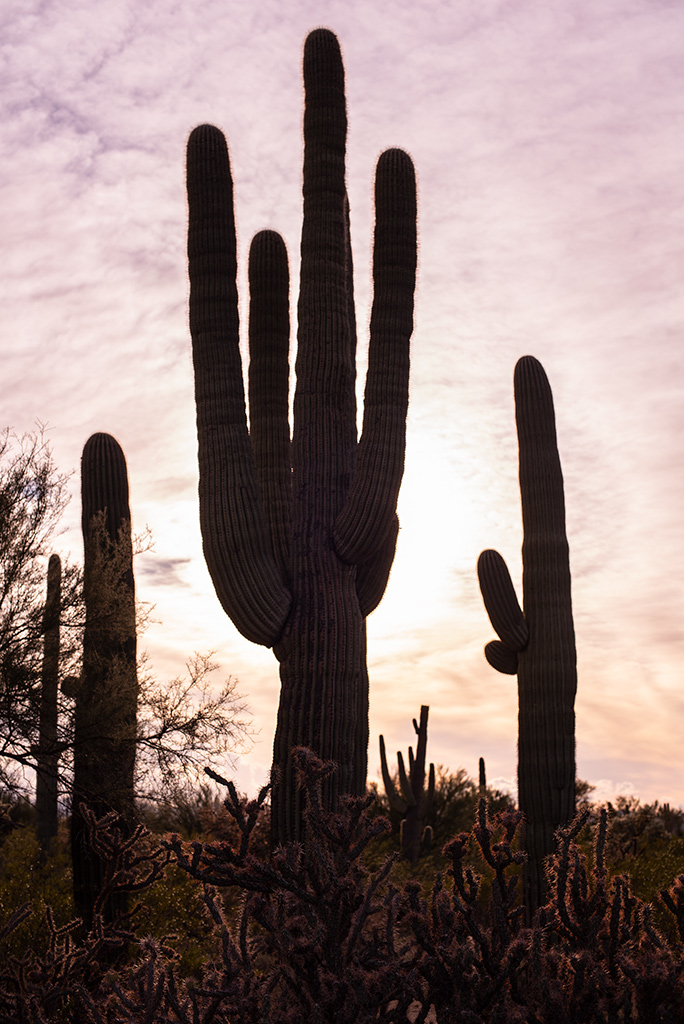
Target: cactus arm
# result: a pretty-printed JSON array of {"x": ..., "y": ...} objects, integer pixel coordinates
[
  {"x": 367, "y": 518},
  {"x": 404, "y": 783},
  {"x": 235, "y": 534},
  {"x": 429, "y": 798},
  {"x": 269, "y": 429},
  {"x": 482, "y": 786},
  {"x": 500, "y": 600},
  {"x": 395, "y": 801},
  {"x": 501, "y": 658},
  {"x": 372, "y": 576}
]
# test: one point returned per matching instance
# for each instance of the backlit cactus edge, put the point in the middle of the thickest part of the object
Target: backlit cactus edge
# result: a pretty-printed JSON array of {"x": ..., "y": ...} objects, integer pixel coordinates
[
  {"x": 538, "y": 641},
  {"x": 299, "y": 534}
]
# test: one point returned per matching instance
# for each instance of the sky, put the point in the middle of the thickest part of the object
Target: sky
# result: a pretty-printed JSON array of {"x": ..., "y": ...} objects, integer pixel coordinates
[{"x": 547, "y": 140}]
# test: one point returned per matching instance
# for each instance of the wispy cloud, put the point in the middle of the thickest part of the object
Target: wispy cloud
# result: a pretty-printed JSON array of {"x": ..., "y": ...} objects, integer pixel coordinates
[{"x": 547, "y": 144}]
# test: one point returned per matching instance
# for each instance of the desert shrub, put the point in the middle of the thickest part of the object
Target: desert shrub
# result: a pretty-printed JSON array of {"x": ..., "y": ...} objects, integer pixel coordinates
[
  {"x": 318, "y": 935},
  {"x": 28, "y": 877}
]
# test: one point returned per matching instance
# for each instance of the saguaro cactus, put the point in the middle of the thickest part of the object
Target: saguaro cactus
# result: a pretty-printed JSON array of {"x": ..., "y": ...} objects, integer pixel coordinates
[
  {"x": 538, "y": 642},
  {"x": 482, "y": 783},
  {"x": 412, "y": 800},
  {"x": 48, "y": 753},
  {"x": 106, "y": 699},
  {"x": 299, "y": 535}
]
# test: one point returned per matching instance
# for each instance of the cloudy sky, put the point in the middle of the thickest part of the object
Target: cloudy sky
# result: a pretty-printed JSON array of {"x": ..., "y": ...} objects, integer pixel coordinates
[{"x": 548, "y": 145}]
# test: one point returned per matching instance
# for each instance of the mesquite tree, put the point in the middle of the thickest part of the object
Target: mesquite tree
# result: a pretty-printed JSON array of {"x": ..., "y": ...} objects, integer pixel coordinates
[
  {"x": 538, "y": 642},
  {"x": 299, "y": 532}
]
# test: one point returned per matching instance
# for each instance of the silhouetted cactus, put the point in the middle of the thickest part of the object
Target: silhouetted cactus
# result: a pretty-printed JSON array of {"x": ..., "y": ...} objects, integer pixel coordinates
[
  {"x": 539, "y": 642},
  {"x": 412, "y": 800},
  {"x": 482, "y": 787},
  {"x": 106, "y": 698},
  {"x": 299, "y": 535},
  {"x": 47, "y": 757}
]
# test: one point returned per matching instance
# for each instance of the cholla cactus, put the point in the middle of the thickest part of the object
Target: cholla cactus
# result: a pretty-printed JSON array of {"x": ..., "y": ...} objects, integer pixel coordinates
[
  {"x": 412, "y": 799},
  {"x": 299, "y": 533},
  {"x": 538, "y": 642}
]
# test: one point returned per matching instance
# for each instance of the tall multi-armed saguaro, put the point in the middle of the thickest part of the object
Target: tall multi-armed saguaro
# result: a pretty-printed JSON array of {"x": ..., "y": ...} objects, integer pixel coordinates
[
  {"x": 107, "y": 695},
  {"x": 538, "y": 643},
  {"x": 299, "y": 533}
]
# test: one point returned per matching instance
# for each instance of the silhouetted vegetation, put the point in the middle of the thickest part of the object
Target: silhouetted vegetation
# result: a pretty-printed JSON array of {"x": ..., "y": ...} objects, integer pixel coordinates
[
  {"x": 219, "y": 929},
  {"x": 299, "y": 527}
]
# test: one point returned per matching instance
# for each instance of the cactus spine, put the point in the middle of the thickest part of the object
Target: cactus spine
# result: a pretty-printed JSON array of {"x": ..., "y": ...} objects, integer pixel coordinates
[
  {"x": 538, "y": 642},
  {"x": 47, "y": 754},
  {"x": 412, "y": 799},
  {"x": 106, "y": 699},
  {"x": 299, "y": 535}
]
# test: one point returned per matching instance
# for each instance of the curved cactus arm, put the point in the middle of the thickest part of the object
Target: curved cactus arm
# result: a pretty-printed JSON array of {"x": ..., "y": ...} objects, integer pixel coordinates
[
  {"x": 498, "y": 593},
  {"x": 421, "y": 732},
  {"x": 395, "y": 801},
  {"x": 269, "y": 343},
  {"x": 501, "y": 658},
  {"x": 235, "y": 534},
  {"x": 372, "y": 576},
  {"x": 367, "y": 517},
  {"x": 404, "y": 784}
]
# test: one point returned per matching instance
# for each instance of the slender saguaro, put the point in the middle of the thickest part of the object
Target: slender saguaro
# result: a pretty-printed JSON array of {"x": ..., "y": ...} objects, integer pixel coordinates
[
  {"x": 299, "y": 533},
  {"x": 538, "y": 642},
  {"x": 107, "y": 696},
  {"x": 412, "y": 799},
  {"x": 48, "y": 756}
]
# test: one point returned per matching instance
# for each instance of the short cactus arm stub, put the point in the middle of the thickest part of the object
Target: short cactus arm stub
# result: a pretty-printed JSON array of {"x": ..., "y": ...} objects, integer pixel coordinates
[{"x": 235, "y": 534}]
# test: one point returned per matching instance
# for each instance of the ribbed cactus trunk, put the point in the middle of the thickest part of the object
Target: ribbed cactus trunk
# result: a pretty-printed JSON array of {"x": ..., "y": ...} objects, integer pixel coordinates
[
  {"x": 538, "y": 642},
  {"x": 48, "y": 756},
  {"x": 106, "y": 701},
  {"x": 299, "y": 535}
]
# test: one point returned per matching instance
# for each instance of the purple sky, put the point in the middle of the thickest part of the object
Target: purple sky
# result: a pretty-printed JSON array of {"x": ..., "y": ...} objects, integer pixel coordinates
[{"x": 547, "y": 142}]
